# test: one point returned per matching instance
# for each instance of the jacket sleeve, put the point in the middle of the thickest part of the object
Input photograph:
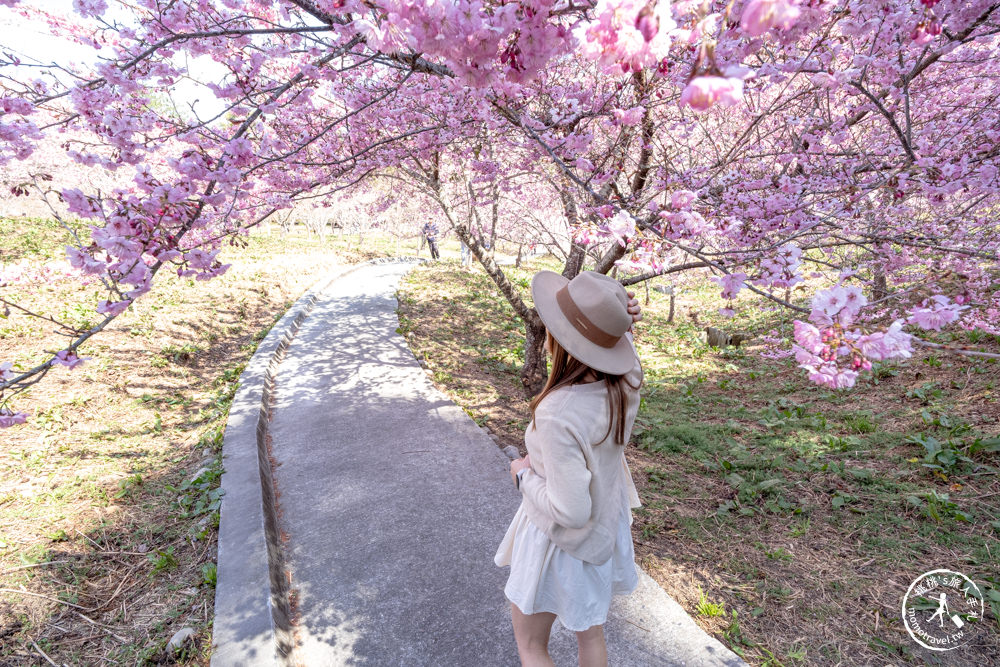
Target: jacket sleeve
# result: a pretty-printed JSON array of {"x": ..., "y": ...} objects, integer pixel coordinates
[
  {"x": 635, "y": 375},
  {"x": 563, "y": 495}
]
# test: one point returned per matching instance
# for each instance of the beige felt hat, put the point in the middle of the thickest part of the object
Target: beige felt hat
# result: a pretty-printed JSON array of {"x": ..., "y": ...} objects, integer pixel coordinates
[{"x": 588, "y": 316}]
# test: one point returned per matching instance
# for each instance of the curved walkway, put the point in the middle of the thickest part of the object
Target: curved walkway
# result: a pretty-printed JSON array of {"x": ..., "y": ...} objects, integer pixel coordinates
[{"x": 362, "y": 510}]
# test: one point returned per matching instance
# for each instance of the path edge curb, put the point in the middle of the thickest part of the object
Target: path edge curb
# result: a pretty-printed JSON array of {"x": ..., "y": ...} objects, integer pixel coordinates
[{"x": 252, "y": 622}]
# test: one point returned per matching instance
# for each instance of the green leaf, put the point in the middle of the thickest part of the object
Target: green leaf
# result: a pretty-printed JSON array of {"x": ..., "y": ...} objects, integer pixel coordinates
[
  {"x": 988, "y": 445},
  {"x": 770, "y": 483},
  {"x": 862, "y": 474}
]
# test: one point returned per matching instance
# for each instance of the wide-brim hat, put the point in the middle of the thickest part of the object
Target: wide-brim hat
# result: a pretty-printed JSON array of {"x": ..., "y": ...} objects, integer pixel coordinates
[{"x": 588, "y": 316}]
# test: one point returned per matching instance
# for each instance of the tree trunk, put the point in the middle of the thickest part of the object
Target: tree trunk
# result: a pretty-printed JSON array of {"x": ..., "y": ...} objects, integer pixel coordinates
[
  {"x": 616, "y": 252},
  {"x": 880, "y": 289},
  {"x": 533, "y": 372},
  {"x": 574, "y": 263},
  {"x": 670, "y": 317},
  {"x": 577, "y": 253},
  {"x": 494, "y": 216}
]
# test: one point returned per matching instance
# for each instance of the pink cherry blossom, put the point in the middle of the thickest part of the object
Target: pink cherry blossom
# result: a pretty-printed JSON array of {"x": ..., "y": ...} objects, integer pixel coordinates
[
  {"x": 68, "y": 358},
  {"x": 629, "y": 116},
  {"x": 681, "y": 199},
  {"x": 844, "y": 158},
  {"x": 112, "y": 308},
  {"x": 647, "y": 23},
  {"x": 10, "y": 418},
  {"x": 617, "y": 37},
  {"x": 731, "y": 283},
  {"x": 704, "y": 92},
  {"x": 622, "y": 227},
  {"x": 840, "y": 303},
  {"x": 759, "y": 16},
  {"x": 937, "y": 312},
  {"x": 808, "y": 337},
  {"x": 90, "y": 7}
]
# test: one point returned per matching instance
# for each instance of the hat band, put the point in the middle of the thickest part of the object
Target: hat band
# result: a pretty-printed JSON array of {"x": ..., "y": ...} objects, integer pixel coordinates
[{"x": 581, "y": 322}]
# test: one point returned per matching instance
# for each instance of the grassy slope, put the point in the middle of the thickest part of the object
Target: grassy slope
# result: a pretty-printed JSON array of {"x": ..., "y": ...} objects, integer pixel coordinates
[
  {"x": 787, "y": 518},
  {"x": 108, "y": 495}
]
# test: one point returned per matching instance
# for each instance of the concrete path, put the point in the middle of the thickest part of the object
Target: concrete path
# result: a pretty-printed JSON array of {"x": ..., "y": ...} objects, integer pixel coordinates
[{"x": 388, "y": 506}]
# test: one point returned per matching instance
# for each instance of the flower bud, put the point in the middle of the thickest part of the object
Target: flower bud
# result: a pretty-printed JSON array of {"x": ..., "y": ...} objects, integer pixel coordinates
[{"x": 647, "y": 23}]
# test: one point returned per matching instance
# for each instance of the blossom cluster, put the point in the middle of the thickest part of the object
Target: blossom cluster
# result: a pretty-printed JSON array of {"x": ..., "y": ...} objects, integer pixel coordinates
[
  {"x": 833, "y": 350},
  {"x": 627, "y": 35},
  {"x": 563, "y": 118}
]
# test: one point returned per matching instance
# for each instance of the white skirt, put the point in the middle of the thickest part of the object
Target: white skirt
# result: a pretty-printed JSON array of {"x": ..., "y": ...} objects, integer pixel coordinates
[{"x": 543, "y": 577}]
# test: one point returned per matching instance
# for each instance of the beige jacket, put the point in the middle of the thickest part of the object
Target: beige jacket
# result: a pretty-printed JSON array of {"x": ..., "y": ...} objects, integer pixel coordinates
[{"x": 578, "y": 478}]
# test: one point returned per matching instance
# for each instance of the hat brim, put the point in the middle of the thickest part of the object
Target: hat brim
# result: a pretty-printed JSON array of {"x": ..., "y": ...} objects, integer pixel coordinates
[{"x": 616, "y": 360}]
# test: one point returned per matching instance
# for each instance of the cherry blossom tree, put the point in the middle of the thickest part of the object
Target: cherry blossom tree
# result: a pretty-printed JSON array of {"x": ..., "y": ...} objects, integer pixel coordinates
[{"x": 757, "y": 139}]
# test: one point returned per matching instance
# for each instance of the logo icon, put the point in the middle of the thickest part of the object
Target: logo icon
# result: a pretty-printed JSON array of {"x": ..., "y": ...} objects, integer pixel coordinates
[{"x": 938, "y": 607}]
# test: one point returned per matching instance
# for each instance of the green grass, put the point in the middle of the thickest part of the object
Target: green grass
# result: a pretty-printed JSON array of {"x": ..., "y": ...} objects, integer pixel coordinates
[
  {"x": 707, "y": 608},
  {"x": 37, "y": 239}
]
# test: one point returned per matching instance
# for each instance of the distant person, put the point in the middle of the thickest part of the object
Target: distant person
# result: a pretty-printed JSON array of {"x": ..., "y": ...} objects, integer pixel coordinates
[
  {"x": 430, "y": 234},
  {"x": 466, "y": 256},
  {"x": 569, "y": 546}
]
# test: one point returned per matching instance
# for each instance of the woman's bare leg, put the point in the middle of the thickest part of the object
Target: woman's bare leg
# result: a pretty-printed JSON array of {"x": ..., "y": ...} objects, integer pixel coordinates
[
  {"x": 593, "y": 650},
  {"x": 532, "y": 634}
]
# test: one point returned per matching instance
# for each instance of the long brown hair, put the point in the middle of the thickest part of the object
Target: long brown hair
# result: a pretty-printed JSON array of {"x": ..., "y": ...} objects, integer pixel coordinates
[{"x": 566, "y": 370}]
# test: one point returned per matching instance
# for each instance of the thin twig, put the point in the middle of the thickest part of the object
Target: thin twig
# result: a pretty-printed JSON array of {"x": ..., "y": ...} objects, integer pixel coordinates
[
  {"x": 117, "y": 590},
  {"x": 42, "y": 653},
  {"x": 44, "y": 597},
  {"x": 25, "y": 567},
  {"x": 635, "y": 624},
  {"x": 106, "y": 628},
  {"x": 956, "y": 350},
  {"x": 89, "y": 539}
]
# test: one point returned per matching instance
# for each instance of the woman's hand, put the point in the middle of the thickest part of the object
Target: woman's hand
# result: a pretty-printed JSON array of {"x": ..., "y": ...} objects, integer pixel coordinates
[
  {"x": 633, "y": 308},
  {"x": 517, "y": 465}
]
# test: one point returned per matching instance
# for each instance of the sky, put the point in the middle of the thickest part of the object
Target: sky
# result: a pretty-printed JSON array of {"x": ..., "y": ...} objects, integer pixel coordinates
[{"x": 32, "y": 42}]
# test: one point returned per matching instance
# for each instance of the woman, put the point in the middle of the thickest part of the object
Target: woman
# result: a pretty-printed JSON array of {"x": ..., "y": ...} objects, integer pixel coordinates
[{"x": 569, "y": 545}]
